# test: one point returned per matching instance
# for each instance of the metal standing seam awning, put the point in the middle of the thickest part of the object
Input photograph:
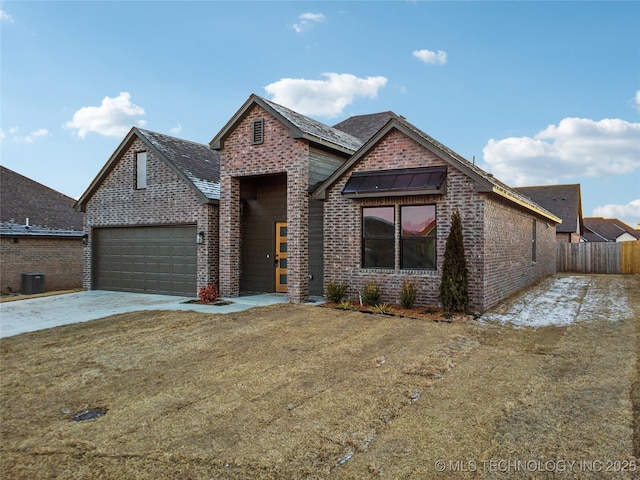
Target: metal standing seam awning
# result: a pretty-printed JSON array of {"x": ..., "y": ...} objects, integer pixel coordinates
[{"x": 398, "y": 182}]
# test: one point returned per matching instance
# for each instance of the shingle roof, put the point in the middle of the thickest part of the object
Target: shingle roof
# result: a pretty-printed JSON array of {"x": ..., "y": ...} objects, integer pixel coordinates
[
  {"x": 562, "y": 200},
  {"x": 365, "y": 126},
  {"x": 49, "y": 212},
  {"x": 197, "y": 161},
  {"x": 317, "y": 129},
  {"x": 486, "y": 181},
  {"x": 599, "y": 229},
  {"x": 300, "y": 126}
]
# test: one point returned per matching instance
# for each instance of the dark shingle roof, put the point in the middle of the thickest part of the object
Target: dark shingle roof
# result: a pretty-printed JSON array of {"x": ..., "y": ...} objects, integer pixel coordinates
[
  {"x": 365, "y": 126},
  {"x": 598, "y": 229},
  {"x": 196, "y": 161},
  {"x": 49, "y": 212},
  {"x": 317, "y": 129},
  {"x": 299, "y": 125},
  {"x": 562, "y": 200}
]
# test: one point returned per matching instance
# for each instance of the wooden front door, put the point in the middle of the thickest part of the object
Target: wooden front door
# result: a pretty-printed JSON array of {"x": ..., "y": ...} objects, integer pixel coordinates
[{"x": 281, "y": 256}]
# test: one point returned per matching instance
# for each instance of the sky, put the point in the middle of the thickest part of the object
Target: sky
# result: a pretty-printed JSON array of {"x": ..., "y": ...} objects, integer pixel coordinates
[{"x": 536, "y": 93}]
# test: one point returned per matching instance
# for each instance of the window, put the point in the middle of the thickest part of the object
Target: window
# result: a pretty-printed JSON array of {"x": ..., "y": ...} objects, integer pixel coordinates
[
  {"x": 141, "y": 170},
  {"x": 416, "y": 245},
  {"x": 533, "y": 241},
  {"x": 378, "y": 237},
  {"x": 258, "y": 131},
  {"x": 418, "y": 237}
]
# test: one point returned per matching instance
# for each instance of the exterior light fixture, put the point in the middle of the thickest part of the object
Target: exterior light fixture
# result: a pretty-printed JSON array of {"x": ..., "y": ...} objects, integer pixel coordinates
[{"x": 200, "y": 238}]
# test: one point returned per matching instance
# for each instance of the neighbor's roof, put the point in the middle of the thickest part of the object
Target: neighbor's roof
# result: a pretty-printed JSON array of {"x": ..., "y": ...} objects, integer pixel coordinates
[
  {"x": 598, "y": 229},
  {"x": 300, "y": 126},
  {"x": 49, "y": 211},
  {"x": 484, "y": 181},
  {"x": 562, "y": 200},
  {"x": 195, "y": 163}
]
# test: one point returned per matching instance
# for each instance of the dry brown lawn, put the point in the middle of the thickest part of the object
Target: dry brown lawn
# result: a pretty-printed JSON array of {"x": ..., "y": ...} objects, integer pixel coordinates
[{"x": 290, "y": 392}]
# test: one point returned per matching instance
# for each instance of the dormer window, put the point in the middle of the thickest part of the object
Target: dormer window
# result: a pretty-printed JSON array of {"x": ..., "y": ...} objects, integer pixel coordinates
[
  {"x": 141, "y": 170},
  {"x": 258, "y": 131}
]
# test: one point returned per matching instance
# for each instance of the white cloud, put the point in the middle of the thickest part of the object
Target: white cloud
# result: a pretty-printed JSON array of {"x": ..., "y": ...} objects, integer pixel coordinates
[
  {"x": 29, "y": 138},
  {"x": 307, "y": 21},
  {"x": 575, "y": 147},
  {"x": 434, "y": 58},
  {"x": 326, "y": 98},
  {"x": 630, "y": 210},
  {"x": 637, "y": 100},
  {"x": 5, "y": 17},
  {"x": 176, "y": 130},
  {"x": 112, "y": 118}
]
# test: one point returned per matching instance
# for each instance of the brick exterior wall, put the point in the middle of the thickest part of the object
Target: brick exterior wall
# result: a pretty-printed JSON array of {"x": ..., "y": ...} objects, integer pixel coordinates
[
  {"x": 167, "y": 200},
  {"x": 60, "y": 259},
  {"x": 508, "y": 251},
  {"x": 279, "y": 153},
  {"x": 502, "y": 229}
]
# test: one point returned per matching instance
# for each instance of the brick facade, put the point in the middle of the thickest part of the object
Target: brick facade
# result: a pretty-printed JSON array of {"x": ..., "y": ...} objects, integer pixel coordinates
[
  {"x": 167, "y": 200},
  {"x": 62, "y": 269},
  {"x": 279, "y": 153},
  {"x": 497, "y": 238}
]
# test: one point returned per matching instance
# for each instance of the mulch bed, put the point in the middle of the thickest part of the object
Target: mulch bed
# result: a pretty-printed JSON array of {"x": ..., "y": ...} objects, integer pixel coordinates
[{"x": 428, "y": 314}]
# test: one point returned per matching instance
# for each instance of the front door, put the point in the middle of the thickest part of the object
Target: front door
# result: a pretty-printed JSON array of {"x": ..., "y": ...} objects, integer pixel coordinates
[{"x": 281, "y": 256}]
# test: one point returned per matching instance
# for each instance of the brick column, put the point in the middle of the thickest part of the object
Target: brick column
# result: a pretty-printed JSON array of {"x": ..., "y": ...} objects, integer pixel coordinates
[
  {"x": 298, "y": 232},
  {"x": 229, "y": 236}
]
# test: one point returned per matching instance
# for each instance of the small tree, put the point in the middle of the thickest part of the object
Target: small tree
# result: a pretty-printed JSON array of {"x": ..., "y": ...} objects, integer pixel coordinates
[{"x": 454, "y": 285}]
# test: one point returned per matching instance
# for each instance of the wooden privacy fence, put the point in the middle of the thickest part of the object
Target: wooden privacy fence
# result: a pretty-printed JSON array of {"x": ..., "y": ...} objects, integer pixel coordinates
[{"x": 598, "y": 257}]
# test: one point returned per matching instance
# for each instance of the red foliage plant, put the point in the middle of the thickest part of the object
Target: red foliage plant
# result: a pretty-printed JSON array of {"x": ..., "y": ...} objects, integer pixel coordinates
[{"x": 208, "y": 294}]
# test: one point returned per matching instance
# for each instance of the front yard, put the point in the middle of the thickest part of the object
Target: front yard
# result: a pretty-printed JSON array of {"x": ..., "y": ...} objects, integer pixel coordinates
[{"x": 305, "y": 392}]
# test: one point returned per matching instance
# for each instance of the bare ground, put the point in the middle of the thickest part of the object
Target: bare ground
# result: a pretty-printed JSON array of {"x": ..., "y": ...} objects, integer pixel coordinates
[{"x": 306, "y": 392}]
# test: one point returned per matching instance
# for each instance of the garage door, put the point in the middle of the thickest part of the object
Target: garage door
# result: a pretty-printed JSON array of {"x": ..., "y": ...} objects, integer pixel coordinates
[{"x": 146, "y": 259}]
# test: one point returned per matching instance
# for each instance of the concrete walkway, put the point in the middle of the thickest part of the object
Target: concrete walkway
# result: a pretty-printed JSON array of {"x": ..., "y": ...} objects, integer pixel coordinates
[{"x": 33, "y": 314}]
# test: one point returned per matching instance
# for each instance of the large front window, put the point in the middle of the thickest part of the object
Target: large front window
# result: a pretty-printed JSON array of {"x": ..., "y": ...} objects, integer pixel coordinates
[
  {"x": 418, "y": 237},
  {"x": 415, "y": 246},
  {"x": 378, "y": 237}
]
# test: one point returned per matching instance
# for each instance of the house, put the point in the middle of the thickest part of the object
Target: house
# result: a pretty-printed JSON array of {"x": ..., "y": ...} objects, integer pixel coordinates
[
  {"x": 151, "y": 217},
  {"x": 598, "y": 229},
  {"x": 564, "y": 201},
  {"x": 40, "y": 232},
  {"x": 283, "y": 203}
]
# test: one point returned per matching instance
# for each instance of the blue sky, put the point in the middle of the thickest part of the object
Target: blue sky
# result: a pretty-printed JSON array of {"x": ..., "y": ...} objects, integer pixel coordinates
[{"x": 538, "y": 92}]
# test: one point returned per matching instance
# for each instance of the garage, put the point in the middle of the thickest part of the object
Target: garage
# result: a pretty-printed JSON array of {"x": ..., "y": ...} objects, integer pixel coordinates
[{"x": 158, "y": 259}]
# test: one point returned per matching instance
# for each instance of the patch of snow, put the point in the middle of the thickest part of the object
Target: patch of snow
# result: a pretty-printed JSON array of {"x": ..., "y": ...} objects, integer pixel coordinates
[
  {"x": 346, "y": 458},
  {"x": 563, "y": 301}
]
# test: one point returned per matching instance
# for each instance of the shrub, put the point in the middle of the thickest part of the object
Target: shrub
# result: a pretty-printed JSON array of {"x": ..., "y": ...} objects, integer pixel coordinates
[
  {"x": 371, "y": 293},
  {"x": 454, "y": 285},
  {"x": 408, "y": 293},
  {"x": 336, "y": 291},
  {"x": 208, "y": 294},
  {"x": 382, "y": 308},
  {"x": 345, "y": 305}
]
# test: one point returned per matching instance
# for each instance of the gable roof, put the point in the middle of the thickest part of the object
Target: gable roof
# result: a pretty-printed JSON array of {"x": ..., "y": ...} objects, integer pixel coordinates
[
  {"x": 563, "y": 200},
  {"x": 365, "y": 126},
  {"x": 484, "y": 182},
  {"x": 195, "y": 163},
  {"x": 300, "y": 126},
  {"x": 598, "y": 229},
  {"x": 48, "y": 211}
]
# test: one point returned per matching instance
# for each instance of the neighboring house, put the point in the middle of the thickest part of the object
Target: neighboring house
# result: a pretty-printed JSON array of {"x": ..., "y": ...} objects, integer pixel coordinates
[
  {"x": 598, "y": 229},
  {"x": 299, "y": 203},
  {"x": 564, "y": 201},
  {"x": 40, "y": 232},
  {"x": 151, "y": 216}
]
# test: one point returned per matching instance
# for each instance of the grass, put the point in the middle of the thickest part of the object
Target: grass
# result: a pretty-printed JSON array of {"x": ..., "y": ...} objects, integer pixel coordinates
[{"x": 305, "y": 392}]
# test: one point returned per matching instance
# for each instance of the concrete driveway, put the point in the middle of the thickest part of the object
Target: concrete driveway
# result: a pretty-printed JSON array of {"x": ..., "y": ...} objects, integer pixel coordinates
[{"x": 33, "y": 314}]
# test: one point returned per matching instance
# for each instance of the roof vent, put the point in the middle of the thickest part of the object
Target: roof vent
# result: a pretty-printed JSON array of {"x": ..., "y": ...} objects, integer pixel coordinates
[{"x": 258, "y": 131}]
